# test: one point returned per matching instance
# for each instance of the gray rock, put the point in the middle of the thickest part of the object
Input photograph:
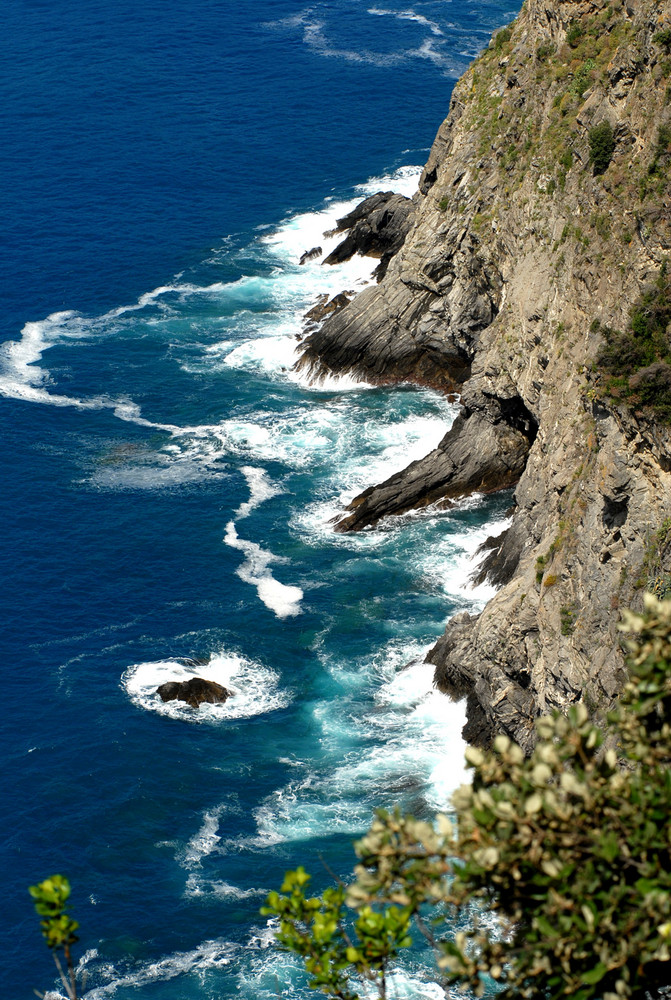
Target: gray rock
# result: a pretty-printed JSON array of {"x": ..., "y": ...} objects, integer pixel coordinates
[
  {"x": 475, "y": 456},
  {"x": 311, "y": 255},
  {"x": 195, "y": 692},
  {"x": 377, "y": 228}
]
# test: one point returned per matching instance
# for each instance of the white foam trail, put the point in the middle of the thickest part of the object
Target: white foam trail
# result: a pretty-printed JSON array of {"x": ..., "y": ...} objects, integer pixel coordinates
[
  {"x": 260, "y": 489},
  {"x": 199, "y": 887},
  {"x": 284, "y": 600},
  {"x": 407, "y": 15},
  {"x": 315, "y": 36},
  {"x": 206, "y": 840},
  {"x": 214, "y": 954},
  {"x": 255, "y": 688}
]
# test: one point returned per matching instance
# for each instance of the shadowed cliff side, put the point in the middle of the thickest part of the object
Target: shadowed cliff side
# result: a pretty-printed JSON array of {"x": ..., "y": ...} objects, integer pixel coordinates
[{"x": 540, "y": 222}]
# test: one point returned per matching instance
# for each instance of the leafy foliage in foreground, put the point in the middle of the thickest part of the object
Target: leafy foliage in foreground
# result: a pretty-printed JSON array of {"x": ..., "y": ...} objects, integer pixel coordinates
[
  {"x": 58, "y": 927},
  {"x": 569, "y": 849}
]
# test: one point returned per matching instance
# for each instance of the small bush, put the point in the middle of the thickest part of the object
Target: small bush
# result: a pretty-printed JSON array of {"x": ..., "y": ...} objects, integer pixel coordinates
[
  {"x": 502, "y": 38},
  {"x": 574, "y": 34},
  {"x": 583, "y": 78},
  {"x": 661, "y": 151},
  {"x": 567, "y": 617},
  {"x": 663, "y": 38},
  {"x": 566, "y": 159},
  {"x": 601, "y": 147},
  {"x": 637, "y": 361}
]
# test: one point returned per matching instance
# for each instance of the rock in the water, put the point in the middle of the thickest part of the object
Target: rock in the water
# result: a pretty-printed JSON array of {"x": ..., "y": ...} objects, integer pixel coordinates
[
  {"x": 195, "y": 692},
  {"x": 328, "y": 307},
  {"x": 377, "y": 228},
  {"x": 311, "y": 254},
  {"x": 476, "y": 455}
]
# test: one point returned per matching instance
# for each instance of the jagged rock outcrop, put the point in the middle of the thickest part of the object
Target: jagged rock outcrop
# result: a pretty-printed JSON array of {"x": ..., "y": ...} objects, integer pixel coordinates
[
  {"x": 516, "y": 249},
  {"x": 477, "y": 455},
  {"x": 195, "y": 692},
  {"x": 377, "y": 228},
  {"x": 309, "y": 255}
]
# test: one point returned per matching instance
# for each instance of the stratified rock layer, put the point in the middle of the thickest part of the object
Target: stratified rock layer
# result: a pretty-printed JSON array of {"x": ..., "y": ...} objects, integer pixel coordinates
[
  {"x": 377, "y": 228},
  {"x": 515, "y": 249}
]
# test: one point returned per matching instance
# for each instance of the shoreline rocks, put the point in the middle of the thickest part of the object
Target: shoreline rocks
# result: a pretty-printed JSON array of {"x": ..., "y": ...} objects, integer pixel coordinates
[
  {"x": 377, "y": 228},
  {"x": 516, "y": 256}
]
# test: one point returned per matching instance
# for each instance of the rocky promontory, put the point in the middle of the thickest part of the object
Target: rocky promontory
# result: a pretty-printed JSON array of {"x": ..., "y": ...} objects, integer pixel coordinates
[{"x": 532, "y": 284}]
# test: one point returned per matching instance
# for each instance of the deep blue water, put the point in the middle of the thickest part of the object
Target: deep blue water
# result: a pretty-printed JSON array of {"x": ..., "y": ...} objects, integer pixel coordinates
[{"x": 167, "y": 483}]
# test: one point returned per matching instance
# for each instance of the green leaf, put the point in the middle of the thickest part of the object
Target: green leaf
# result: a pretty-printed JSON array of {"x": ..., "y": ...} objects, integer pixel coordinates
[{"x": 595, "y": 975}]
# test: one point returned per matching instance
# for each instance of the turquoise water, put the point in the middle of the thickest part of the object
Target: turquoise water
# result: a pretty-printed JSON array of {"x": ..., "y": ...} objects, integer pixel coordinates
[{"x": 169, "y": 482}]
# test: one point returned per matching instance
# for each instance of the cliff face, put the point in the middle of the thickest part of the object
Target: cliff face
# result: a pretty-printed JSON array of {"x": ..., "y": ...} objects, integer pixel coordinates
[{"x": 525, "y": 232}]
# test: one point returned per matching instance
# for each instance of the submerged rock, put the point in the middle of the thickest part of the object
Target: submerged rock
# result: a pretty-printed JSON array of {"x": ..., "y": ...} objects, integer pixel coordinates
[{"x": 195, "y": 692}]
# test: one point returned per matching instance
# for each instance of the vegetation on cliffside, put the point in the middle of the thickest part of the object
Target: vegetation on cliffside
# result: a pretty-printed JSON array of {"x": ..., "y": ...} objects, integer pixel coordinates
[{"x": 637, "y": 361}]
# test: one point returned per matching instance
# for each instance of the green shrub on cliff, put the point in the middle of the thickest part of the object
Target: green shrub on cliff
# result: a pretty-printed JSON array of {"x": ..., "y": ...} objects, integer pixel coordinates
[
  {"x": 601, "y": 146},
  {"x": 636, "y": 362},
  {"x": 569, "y": 849}
]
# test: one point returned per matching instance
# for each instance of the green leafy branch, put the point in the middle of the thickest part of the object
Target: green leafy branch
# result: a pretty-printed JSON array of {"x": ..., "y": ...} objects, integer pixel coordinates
[{"x": 58, "y": 927}]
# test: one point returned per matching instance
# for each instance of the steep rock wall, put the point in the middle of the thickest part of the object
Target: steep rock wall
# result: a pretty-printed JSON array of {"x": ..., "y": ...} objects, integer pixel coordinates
[{"x": 516, "y": 249}]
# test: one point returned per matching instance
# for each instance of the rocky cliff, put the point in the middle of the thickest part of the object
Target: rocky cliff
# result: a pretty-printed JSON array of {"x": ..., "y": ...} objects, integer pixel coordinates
[{"x": 538, "y": 239}]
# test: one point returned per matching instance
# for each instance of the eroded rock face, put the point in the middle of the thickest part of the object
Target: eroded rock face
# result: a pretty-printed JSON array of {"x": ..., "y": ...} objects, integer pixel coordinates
[
  {"x": 477, "y": 455},
  {"x": 514, "y": 250},
  {"x": 195, "y": 692},
  {"x": 377, "y": 228}
]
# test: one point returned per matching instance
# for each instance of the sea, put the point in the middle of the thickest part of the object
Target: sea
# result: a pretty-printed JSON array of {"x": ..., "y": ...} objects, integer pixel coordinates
[{"x": 169, "y": 481}]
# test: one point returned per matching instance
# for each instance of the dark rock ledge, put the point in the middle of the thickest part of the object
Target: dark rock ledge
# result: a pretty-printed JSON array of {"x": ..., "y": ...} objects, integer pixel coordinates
[
  {"x": 477, "y": 455},
  {"x": 377, "y": 228}
]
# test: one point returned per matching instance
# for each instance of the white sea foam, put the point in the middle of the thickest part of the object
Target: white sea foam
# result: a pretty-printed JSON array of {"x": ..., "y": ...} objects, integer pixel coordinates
[
  {"x": 450, "y": 561},
  {"x": 255, "y": 688},
  {"x": 205, "y": 840},
  {"x": 406, "y": 746},
  {"x": 404, "y": 985},
  {"x": 315, "y": 33},
  {"x": 261, "y": 488},
  {"x": 367, "y": 453},
  {"x": 213, "y": 954},
  {"x": 198, "y": 887},
  {"x": 407, "y": 15},
  {"x": 284, "y": 600}
]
